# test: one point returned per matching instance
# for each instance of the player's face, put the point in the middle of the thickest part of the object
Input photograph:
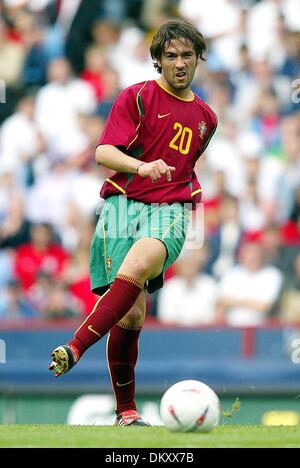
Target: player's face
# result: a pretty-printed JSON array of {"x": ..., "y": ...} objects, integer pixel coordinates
[{"x": 178, "y": 63}]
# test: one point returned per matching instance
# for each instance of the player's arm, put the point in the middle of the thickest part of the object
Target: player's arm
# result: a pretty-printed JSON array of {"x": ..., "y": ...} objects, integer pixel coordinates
[
  {"x": 214, "y": 126},
  {"x": 230, "y": 302},
  {"x": 112, "y": 158}
]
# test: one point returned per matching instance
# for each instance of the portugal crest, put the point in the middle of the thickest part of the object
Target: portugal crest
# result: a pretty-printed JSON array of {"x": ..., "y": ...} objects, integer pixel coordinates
[
  {"x": 109, "y": 263},
  {"x": 202, "y": 129}
]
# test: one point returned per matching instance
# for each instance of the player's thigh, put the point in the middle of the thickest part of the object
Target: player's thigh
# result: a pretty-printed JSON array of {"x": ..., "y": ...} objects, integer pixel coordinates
[
  {"x": 165, "y": 227},
  {"x": 135, "y": 318},
  {"x": 110, "y": 244},
  {"x": 145, "y": 259}
]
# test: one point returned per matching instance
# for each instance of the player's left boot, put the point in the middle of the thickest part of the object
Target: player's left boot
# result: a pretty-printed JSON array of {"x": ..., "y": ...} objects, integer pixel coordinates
[
  {"x": 64, "y": 359},
  {"x": 130, "y": 418}
]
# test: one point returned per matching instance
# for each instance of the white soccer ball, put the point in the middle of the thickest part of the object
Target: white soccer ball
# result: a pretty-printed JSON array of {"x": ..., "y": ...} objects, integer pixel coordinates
[{"x": 190, "y": 406}]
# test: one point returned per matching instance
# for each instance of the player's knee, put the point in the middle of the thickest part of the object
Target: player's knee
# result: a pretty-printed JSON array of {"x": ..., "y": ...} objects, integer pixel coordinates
[
  {"x": 141, "y": 268},
  {"x": 134, "y": 319}
]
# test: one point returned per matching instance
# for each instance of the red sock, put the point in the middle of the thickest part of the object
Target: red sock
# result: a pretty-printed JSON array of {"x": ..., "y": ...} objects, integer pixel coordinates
[
  {"x": 122, "y": 354},
  {"x": 109, "y": 310}
]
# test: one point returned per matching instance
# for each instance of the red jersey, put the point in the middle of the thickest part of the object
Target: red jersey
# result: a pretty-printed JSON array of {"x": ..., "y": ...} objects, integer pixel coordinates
[{"x": 148, "y": 122}]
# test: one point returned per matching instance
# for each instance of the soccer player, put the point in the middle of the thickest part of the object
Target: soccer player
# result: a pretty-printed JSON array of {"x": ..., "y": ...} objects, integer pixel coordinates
[{"x": 153, "y": 137}]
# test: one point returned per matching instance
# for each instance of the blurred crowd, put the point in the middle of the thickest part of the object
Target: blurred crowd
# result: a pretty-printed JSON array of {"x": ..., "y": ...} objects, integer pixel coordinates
[{"x": 63, "y": 63}]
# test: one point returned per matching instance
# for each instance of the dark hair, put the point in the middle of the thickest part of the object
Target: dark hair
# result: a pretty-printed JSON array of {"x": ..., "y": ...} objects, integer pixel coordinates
[{"x": 176, "y": 29}]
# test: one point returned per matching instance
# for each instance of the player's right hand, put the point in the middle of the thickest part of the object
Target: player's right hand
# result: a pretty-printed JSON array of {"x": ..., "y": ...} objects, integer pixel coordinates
[{"x": 155, "y": 170}]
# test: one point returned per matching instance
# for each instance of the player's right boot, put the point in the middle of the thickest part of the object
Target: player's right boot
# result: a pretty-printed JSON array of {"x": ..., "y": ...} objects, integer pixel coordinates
[
  {"x": 130, "y": 418},
  {"x": 64, "y": 359}
]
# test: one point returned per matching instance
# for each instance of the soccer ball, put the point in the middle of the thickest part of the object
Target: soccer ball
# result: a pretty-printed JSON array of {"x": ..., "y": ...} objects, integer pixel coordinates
[{"x": 190, "y": 406}]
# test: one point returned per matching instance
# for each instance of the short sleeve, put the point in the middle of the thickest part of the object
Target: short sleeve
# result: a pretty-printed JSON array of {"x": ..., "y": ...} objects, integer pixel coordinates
[
  {"x": 270, "y": 285},
  {"x": 123, "y": 121},
  {"x": 227, "y": 285}
]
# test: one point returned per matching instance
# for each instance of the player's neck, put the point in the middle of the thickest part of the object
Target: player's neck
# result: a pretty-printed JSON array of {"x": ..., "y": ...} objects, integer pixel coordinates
[{"x": 186, "y": 93}]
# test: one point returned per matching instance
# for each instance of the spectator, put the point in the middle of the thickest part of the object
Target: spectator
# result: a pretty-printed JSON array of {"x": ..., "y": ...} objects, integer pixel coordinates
[
  {"x": 95, "y": 65},
  {"x": 249, "y": 88},
  {"x": 136, "y": 64},
  {"x": 13, "y": 54},
  {"x": 13, "y": 304},
  {"x": 291, "y": 230},
  {"x": 223, "y": 29},
  {"x": 107, "y": 34},
  {"x": 230, "y": 164},
  {"x": 252, "y": 215},
  {"x": 73, "y": 202},
  {"x": 250, "y": 147},
  {"x": 91, "y": 126},
  {"x": 6, "y": 268},
  {"x": 225, "y": 240},
  {"x": 57, "y": 108},
  {"x": 65, "y": 13},
  {"x": 262, "y": 28},
  {"x": 290, "y": 304},
  {"x": 219, "y": 96},
  {"x": 275, "y": 252},
  {"x": 78, "y": 17},
  {"x": 77, "y": 274},
  {"x": 114, "y": 9},
  {"x": 39, "y": 293},
  {"x": 111, "y": 91},
  {"x": 82, "y": 208},
  {"x": 289, "y": 177},
  {"x": 20, "y": 153},
  {"x": 248, "y": 292},
  {"x": 42, "y": 254},
  {"x": 14, "y": 228},
  {"x": 59, "y": 182},
  {"x": 291, "y": 12},
  {"x": 33, "y": 39},
  {"x": 266, "y": 118},
  {"x": 189, "y": 298},
  {"x": 291, "y": 65},
  {"x": 152, "y": 11},
  {"x": 61, "y": 303}
]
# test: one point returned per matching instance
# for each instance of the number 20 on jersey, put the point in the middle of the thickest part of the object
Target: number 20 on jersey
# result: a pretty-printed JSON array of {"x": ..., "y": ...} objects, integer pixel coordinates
[{"x": 182, "y": 139}]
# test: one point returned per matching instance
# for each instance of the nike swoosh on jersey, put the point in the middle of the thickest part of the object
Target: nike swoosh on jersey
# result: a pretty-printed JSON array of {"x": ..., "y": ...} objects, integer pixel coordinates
[
  {"x": 164, "y": 115},
  {"x": 123, "y": 384},
  {"x": 91, "y": 328}
]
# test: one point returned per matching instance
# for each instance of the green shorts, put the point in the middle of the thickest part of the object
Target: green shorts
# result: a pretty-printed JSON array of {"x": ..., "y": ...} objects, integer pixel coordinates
[{"x": 122, "y": 222}]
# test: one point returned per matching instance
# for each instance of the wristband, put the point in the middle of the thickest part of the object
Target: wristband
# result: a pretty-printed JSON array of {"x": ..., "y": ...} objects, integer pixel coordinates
[{"x": 137, "y": 169}]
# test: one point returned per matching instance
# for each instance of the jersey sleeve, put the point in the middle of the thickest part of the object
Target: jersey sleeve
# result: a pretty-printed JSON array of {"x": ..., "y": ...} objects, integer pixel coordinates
[
  {"x": 213, "y": 128},
  {"x": 123, "y": 122}
]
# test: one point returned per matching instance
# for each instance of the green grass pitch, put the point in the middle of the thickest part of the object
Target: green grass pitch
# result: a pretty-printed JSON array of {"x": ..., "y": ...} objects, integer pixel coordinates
[{"x": 155, "y": 437}]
